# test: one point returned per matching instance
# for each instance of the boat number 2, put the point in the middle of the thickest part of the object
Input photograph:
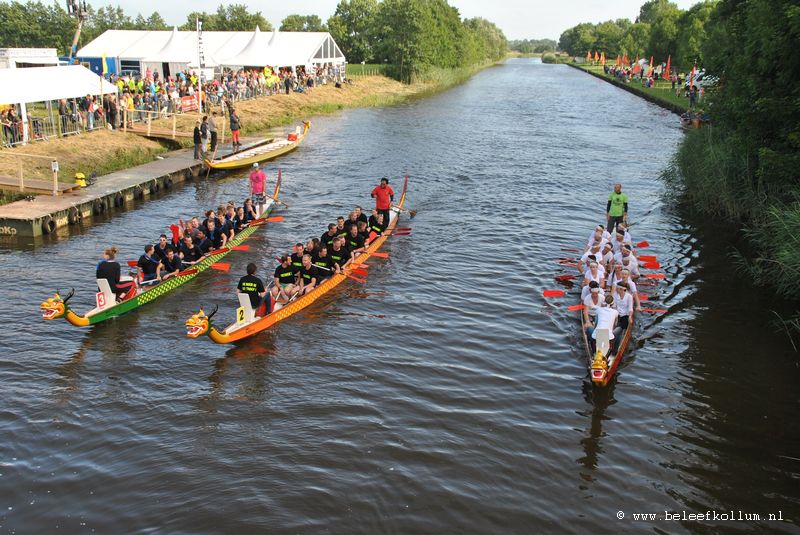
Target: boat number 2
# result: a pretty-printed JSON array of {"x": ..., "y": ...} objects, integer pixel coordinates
[{"x": 240, "y": 315}]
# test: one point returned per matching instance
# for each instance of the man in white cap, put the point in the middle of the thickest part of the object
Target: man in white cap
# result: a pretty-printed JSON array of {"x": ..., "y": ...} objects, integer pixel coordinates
[{"x": 258, "y": 186}]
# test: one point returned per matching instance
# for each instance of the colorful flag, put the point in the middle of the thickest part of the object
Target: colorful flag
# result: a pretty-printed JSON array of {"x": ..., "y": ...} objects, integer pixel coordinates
[
  {"x": 588, "y": 55},
  {"x": 596, "y": 56},
  {"x": 665, "y": 75},
  {"x": 625, "y": 60},
  {"x": 105, "y": 64},
  {"x": 603, "y": 58}
]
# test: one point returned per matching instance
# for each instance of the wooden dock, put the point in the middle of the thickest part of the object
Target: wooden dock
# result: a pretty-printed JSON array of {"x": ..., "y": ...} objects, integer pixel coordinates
[{"x": 45, "y": 213}]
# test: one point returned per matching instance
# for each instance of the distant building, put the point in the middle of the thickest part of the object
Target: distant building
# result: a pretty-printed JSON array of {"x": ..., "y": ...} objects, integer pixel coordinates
[
  {"x": 168, "y": 52},
  {"x": 12, "y": 58}
]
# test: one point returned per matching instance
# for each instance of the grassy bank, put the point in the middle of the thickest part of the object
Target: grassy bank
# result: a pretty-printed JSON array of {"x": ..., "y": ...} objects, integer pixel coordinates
[
  {"x": 661, "y": 93},
  {"x": 98, "y": 152}
]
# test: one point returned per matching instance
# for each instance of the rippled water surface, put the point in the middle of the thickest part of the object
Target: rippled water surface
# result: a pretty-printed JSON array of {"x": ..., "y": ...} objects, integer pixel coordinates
[{"x": 445, "y": 395}]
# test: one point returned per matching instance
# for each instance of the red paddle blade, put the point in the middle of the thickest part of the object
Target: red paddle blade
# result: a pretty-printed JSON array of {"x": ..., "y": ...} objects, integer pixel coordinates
[
  {"x": 643, "y": 297},
  {"x": 402, "y": 229},
  {"x": 655, "y": 310},
  {"x": 191, "y": 271},
  {"x": 361, "y": 266},
  {"x": 401, "y": 233},
  {"x": 221, "y": 266},
  {"x": 647, "y": 258},
  {"x": 566, "y": 277},
  {"x": 654, "y": 276},
  {"x": 133, "y": 263},
  {"x": 643, "y": 244},
  {"x": 357, "y": 279},
  {"x": 241, "y": 247},
  {"x": 360, "y": 272},
  {"x": 380, "y": 255},
  {"x": 554, "y": 293},
  {"x": 573, "y": 308},
  {"x": 219, "y": 251},
  {"x": 651, "y": 265}
]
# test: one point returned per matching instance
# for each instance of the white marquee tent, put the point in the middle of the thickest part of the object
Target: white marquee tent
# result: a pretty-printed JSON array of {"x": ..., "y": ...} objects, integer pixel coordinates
[
  {"x": 42, "y": 84},
  {"x": 175, "y": 50}
]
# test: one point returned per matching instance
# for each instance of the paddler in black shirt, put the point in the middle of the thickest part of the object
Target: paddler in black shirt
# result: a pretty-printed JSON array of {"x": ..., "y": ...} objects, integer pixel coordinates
[
  {"x": 341, "y": 230},
  {"x": 376, "y": 223},
  {"x": 323, "y": 264},
  {"x": 148, "y": 264},
  {"x": 161, "y": 247},
  {"x": 326, "y": 240},
  {"x": 308, "y": 276},
  {"x": 352, "y": 221},
  {"x": 297, "y": 258},
  {"x": 252, "y": 286},
  {"x": 204, "y": 245},
  {"x": 189, "y": 252},
  {"x": 284, "y": 288},
  {"x": 170, "y": 266},
  {"x": 360, "y": 215},
  {"x": 217, "y": 238},
  {"x": 354, "y": 242},
  {"x": 338, "y": 254}
]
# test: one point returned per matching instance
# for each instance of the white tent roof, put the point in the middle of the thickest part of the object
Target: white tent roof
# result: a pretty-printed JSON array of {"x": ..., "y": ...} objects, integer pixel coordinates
[
  {"x": 227, "y": 48},
  {"x": 38, "y": 84},
  {"x": 181, "y": 47}
]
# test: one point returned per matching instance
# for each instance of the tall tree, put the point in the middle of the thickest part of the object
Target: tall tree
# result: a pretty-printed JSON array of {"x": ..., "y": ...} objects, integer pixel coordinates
[
  {"x": 352, "y": 26},
  {"x": 303, "y": 23},
  {"x": 231, "y": 18}
]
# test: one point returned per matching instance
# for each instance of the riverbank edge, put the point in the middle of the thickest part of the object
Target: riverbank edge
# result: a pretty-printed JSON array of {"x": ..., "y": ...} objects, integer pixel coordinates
[{"x": 674, "y": 108}]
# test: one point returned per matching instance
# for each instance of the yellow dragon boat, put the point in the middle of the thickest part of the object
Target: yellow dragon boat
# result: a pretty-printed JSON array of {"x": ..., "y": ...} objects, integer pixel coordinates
[
  {"x": 248, "y": 324},
  {"x": 267, "y": 150}
]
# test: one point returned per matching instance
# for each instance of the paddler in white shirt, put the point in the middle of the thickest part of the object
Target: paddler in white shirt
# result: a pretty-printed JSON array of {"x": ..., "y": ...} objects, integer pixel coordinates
[
  {"x": 598, "y": 234},
  {"x": 591, "y": 303},
  {"x": 625, "y": 278},
  {"x": 624, "y": 304},
  {"x": 595, "y": 273},
  {"x": 592, "y": 255},
  {"x": 588, "y": 289}
]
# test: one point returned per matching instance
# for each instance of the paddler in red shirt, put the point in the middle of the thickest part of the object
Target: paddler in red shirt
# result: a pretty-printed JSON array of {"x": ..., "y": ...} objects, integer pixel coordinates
[
  {"x": 258, "y": 184},
  {"x": 383, "y": 195}
]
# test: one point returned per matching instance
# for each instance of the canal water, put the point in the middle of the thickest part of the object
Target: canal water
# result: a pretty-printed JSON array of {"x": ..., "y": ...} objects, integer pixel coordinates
[{"x": 445, "y": 395}]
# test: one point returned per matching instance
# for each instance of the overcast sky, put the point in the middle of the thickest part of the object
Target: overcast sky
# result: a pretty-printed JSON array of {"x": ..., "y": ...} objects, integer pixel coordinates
[{"x": 519, "y": 19}]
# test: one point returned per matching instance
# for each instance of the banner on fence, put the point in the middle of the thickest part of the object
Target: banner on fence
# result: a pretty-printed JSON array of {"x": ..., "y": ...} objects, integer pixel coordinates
[{"x": 189, "y": 104}]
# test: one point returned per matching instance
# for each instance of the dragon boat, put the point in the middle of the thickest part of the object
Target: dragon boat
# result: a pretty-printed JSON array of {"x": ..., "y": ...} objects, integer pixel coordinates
[
  {"x": 248, "y": 324},
  {"x": 107, "y": 307},
  {"x": 266, "y": 150}
]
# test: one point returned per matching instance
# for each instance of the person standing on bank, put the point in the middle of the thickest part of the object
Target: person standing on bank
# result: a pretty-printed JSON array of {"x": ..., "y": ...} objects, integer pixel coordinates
[
  {"x": 212, "y": 128},
  {"x": 616, "y": 208},
  {"x": 204, "y": 136},
  {"x": 235, "y": 127},
  {"x": 198, "y": 139},
  {"x": 383, "y": 195}
]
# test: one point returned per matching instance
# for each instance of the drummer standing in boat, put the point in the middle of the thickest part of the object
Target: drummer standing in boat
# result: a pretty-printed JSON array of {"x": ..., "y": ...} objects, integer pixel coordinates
[
  {"x": 258, "y": 185},
  {"x": 616, "y": 208}
]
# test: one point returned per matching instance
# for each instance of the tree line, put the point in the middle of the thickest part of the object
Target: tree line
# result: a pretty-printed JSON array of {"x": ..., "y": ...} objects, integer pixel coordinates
[
  {"x": 532, "y": 46},
  {"x": 661, "y": 30},
  {"x": 410, "y": 36}
]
